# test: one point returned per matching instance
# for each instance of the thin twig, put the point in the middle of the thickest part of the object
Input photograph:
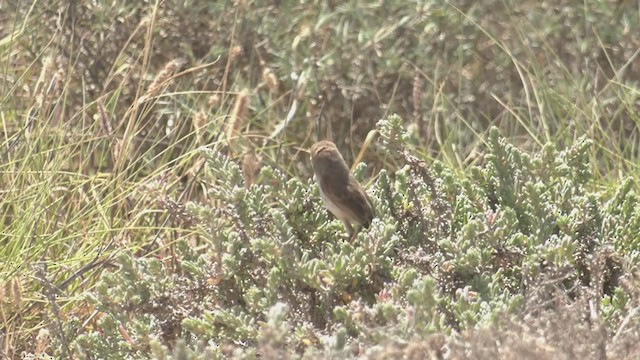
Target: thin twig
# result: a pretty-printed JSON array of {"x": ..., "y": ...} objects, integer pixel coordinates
[
  {"x": 50, "y": 292},
  {"x": 625, "y": 322}
]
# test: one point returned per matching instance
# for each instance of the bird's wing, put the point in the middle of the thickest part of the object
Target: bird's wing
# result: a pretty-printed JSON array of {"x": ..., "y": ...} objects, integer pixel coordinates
[{"x": 354, "y": 201}]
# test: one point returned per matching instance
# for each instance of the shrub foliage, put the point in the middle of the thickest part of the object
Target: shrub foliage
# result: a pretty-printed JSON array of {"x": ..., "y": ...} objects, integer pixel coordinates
[{"x": 271, "y": 274}]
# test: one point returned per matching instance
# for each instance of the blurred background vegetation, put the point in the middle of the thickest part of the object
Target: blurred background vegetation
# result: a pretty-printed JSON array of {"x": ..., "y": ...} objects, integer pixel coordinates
[{"x": 104, "y": 105}]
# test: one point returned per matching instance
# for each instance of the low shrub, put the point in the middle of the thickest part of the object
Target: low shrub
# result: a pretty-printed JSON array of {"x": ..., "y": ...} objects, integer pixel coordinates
[{"x": 507, "y": 261}]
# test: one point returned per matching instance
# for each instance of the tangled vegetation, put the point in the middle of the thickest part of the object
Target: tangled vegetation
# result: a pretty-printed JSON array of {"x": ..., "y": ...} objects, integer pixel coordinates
[
  {"x": 521, "y": 237},
  {"x": 158, "y": 199}
]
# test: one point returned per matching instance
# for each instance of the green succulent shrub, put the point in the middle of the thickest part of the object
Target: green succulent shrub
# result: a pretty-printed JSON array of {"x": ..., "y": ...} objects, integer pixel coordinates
[{"x": 271, "y": 274}]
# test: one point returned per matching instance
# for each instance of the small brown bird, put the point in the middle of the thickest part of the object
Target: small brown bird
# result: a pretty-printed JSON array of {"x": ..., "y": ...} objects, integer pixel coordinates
[{"x": 340, "y": 191}]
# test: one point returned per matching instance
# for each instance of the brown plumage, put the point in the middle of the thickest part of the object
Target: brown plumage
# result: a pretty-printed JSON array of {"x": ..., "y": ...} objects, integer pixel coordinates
[{"x": 340, "y": 192}]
